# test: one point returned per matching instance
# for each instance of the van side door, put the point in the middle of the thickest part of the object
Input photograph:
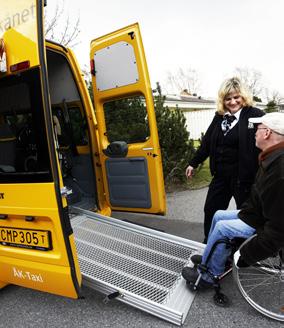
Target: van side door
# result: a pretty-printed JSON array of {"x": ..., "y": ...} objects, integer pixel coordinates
[{"x": 130, "y": 153}]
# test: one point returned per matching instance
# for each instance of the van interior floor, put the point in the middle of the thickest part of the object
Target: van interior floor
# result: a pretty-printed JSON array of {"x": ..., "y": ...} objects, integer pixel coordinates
[
  {"x": 78, "y": 197},
  {"x": 80, "y": 182},
  {"x": 87, "y": 203}
]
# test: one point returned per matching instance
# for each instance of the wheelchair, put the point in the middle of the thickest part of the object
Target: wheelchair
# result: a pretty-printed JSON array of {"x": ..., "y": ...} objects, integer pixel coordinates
[{"x": 261, "y": 284}]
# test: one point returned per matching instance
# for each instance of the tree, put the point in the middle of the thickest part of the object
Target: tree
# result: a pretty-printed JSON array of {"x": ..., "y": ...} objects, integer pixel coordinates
[
  {"x": 177, "y": 149},
  {"x": 274, "y": 96},
  {"x": 252, "y": 78},
  {"x": 60, "y": 28},
  {"x": 184, "y": 80},
  {"x": 274, "y": 99},
  {"x": 271, "y": 107},
  {"x": 257, "y": 99},
  {"x": 126, "y": 119}
]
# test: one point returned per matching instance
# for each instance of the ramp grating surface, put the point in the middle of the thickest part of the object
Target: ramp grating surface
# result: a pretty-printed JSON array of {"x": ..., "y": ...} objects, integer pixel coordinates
[{"x": 137, "y": 263}]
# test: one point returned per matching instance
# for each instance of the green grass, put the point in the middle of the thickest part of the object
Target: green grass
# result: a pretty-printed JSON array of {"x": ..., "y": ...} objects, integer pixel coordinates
[
  {"x": 196, "y": 143},
  {"x": 201, "y": 178}
]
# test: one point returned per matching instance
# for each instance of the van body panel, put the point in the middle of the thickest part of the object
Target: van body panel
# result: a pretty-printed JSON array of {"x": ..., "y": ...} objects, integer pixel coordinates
[
  {"x": 44, "y": 277},
  {"x": 37, "y": 247},
  {"x": 17, "y": 26}
]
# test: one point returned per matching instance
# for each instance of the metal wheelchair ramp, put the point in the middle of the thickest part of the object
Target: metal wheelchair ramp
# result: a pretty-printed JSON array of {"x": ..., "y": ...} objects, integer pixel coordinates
[{"x": 136, "y": 265}]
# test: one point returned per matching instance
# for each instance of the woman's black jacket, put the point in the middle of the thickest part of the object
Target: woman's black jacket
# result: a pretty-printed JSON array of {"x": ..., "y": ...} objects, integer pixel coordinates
[{"x": 248, "y": 153}]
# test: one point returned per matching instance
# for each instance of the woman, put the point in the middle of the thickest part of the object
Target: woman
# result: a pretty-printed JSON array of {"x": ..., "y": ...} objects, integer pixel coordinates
[{"x": 230, "y": 144}]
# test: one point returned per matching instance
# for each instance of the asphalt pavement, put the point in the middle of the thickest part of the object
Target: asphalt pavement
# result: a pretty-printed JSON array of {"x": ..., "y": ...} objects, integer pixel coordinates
[{"x": 20, "y": 307}]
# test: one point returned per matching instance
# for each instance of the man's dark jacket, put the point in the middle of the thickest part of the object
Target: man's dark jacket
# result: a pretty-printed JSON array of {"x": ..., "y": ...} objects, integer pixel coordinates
[
  {"x": 264, "y": 210},
  {"x": 248, "y": 153}
]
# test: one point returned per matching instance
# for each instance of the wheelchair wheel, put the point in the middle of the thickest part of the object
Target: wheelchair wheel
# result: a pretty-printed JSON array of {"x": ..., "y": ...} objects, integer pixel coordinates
[{"x": 262, "y": 285}]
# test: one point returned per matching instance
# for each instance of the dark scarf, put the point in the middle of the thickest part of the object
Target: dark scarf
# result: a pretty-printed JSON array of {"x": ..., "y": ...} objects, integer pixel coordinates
[{"x": 264, "y": 154}]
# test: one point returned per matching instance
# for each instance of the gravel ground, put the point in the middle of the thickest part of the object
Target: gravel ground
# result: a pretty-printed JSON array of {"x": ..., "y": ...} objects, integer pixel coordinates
[{"x": 20, "y": 307}]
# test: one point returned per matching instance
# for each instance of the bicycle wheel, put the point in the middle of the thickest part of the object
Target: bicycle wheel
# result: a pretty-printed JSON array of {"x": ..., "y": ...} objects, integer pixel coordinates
[{"x": 262, "y": 285}]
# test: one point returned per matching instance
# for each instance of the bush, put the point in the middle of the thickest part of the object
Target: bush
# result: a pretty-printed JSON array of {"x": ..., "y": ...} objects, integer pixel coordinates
[
  {"x": 271, "y": 107},
  {"x": 177, "y": 149}
]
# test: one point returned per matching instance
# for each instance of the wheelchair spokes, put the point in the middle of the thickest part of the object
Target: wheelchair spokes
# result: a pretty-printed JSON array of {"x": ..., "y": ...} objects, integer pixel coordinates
[{"x": 262, "y": 285}]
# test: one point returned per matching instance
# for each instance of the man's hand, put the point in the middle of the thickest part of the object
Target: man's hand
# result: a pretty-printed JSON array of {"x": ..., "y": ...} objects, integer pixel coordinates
[{"x": 189, "y": 171}]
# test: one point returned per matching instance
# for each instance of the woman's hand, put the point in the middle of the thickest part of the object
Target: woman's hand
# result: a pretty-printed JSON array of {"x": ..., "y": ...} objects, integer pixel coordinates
[{"x": 189, "y": 172}]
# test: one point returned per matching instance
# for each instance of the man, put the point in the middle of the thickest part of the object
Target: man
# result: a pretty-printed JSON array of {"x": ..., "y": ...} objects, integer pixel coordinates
[{"x": 262, "y": 214}]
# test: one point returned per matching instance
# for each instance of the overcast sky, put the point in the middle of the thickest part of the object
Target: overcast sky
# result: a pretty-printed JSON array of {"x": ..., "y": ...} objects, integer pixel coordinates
[{"x": 211, "y": 36}]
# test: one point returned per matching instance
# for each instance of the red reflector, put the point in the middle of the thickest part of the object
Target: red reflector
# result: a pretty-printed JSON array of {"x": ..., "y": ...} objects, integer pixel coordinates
[
  {"x": 20, "y": 66},
  {"x": 2, "y": 48},
  {"x": 92, "y": 62}
]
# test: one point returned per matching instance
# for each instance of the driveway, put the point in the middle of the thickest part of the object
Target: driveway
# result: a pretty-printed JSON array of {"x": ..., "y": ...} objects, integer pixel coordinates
[{"x": 20, "y": 307}]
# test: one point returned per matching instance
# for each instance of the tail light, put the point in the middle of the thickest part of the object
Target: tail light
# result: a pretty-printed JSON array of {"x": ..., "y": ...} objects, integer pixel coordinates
[{"x": 20, "y": 66}]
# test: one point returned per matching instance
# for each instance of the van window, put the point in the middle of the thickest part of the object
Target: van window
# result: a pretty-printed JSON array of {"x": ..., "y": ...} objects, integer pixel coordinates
[
  {"x": 126, "y": 120},
  {"x": 23, "y": 143}
]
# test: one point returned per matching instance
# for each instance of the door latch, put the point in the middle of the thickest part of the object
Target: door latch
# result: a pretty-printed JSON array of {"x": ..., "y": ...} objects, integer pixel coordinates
[{"x": 65, "y": 191}]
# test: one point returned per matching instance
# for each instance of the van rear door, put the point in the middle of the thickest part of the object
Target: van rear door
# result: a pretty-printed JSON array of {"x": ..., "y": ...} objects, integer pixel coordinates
[
  {"x": 37, "y": 248},
  {"x": 130, "y": 152}
]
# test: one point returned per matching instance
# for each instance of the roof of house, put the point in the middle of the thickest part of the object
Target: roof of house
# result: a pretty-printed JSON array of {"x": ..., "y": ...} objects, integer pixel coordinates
[
  {"x": 190, "y": 99},
  {"x": 195, "y": 103}
]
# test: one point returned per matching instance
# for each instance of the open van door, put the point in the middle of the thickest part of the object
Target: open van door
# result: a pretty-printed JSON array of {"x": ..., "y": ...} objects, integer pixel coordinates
[
  {"x": 130, "y": 152},
  {"x": 37, "y": 247}
]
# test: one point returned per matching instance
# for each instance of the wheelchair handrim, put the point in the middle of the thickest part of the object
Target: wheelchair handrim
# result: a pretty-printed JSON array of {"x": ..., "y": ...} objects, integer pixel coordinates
[{"x": 265, "y": 277}]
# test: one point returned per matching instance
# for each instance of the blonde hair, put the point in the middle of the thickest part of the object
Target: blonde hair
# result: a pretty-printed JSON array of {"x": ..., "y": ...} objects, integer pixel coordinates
[{"x": 233, "y": 84}]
